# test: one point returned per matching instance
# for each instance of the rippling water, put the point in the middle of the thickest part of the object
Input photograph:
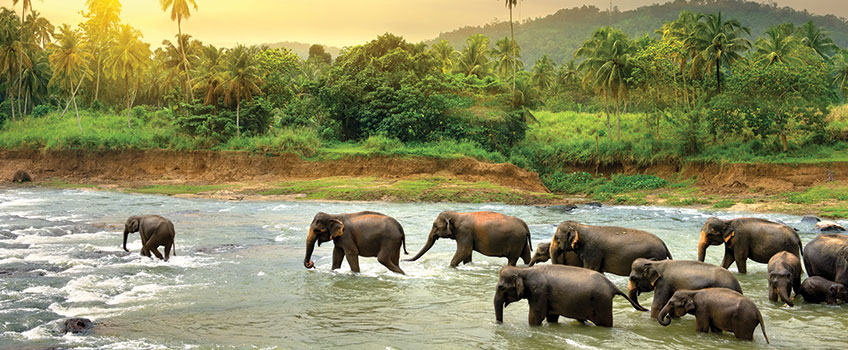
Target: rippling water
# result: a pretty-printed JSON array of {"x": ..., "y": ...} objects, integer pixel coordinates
[{"x": 238, "y": 281}]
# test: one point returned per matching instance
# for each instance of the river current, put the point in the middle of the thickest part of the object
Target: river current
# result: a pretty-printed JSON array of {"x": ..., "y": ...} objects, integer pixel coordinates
[{"x": 238, "y": 282}]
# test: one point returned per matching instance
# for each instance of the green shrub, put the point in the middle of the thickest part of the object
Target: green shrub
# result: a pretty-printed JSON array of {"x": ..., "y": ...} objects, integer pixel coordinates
[
  {"x": 625, "y": 183},
  {"x": 41, "y": 110},
  {"x": 382, "y": 144},
  {"x": 571, "y": 183},
  {"x": 724, "y": 203}
]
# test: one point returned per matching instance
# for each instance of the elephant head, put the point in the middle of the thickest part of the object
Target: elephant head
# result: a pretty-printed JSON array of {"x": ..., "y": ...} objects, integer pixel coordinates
[
  {"x": 443, "y": 227},
  {"x": 566, "y": 239},
  {"x": 780, "y": 284},
  {"x": 714, "y": 232},
  {"x": 131, "y": 226},
  {"x": 643, "y": 277},
  {"x": 510, "y": 289},
  {"x": 681, "y": 303},
  {"x": 837, "y": 292},
  {"x": 324, "y": 228},
  {"x": 542, "y": 254}
]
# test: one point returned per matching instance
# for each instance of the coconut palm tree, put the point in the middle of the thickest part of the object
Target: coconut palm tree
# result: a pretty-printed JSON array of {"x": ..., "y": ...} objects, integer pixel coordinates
[
  {"x": 25, "y": 5},
  {"x": 445, "y": 54},
  {"x": 543, "y": 73},
  {"x": 777, "y": 46},
  {"x": 510, "y": 4},
  {"x": 180, "y": 57},
  {"x": 180, "y": 10},
  {"x": 40, "y": 28},
  {"x": 242, "y": 78},
  {"x": 36, "y": 78},
  {"x": 69, "y": 60},
  {"x": 211, "y": 74},
  {"x": 681, "y": 31},
  {"x": 720, "y": 42},
  {"x": 103, "y": 19},
  {"x": 503, "y": 54},
  {"x": 474, "y": 58},
  {"x": 839, "y": 71},
  {"x": 13, "y": 55},
  {"x": 817, "y": 38},
  {"x": 607, "y": 68},
  {"x": 126, "y": 61}
]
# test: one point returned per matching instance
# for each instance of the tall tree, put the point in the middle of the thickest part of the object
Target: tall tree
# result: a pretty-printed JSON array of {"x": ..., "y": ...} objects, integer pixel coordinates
[
  {"x": 25, "y": 5},
  {"x": 839, "y": 72},
  {"x": 13, "y": 55},
  {"x": 510, "y": 4},
  {"x": 179, "y": 57},
  {"x": 126, "y": 61},
  {"x": 818, "y": 39},
  {"x": 242, "y": 78},
  {"x": 445, "y": 54},
  {"x": 503, "y": 54},
  {"x": 211, "y": 76},
  {"x": 103, "y": 18},
  {"x": 180, "y": 10},
  {"x": 720, "y": 42},
  {"x": 69, "y": 60},
  {"x": 543, "y": 73},
  {"x": 474, "y": 59},
  {"x": 35, "y": 79},
  {"x": 777, "y": 46}
]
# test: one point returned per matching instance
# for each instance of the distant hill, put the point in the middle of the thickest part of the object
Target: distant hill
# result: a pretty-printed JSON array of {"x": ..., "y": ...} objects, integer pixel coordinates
[
  {"x": 302, "y": 49},
  {"x": 558, "y": 35}
]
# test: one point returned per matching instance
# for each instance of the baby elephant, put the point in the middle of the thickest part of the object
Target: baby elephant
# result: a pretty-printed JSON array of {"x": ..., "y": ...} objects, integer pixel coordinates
[
  {"x": 784, "y": 275},
  {"x": 155, "y": 231},
  {"x": 715, "y": 309},
  {"x": 818, "y": 289},
  {"x": 558, "y": 290},
  {"x": 543, "y": 254}
]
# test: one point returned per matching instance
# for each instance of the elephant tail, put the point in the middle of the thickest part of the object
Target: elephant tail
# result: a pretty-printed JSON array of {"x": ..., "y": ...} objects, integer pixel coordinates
[
  {"x": 174, "y": 247},
  {"x": 403, "y": 239},
  {"x": 667, "y": 252},
  {"x": 635, "y": 305},
  {"x": 762, "y": 326},
  {"x": 527, "y": 233}
]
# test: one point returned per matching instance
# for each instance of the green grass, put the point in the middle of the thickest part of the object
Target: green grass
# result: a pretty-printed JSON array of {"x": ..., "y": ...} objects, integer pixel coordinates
[
  {"x": 61, "y": 184},
  {"x": 724, "y": 203},
  {"x": 817, "y": 194},
  {"x": 179, "y": 189}
]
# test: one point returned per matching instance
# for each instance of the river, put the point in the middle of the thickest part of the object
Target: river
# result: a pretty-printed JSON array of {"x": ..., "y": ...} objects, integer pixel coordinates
[{"x": 238, "y": 281}]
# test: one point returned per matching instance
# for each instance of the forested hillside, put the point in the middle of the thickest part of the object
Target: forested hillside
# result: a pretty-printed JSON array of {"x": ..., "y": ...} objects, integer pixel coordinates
[
  {"x": 301, "y": 49},
  {"x": 561, "y": 33}
]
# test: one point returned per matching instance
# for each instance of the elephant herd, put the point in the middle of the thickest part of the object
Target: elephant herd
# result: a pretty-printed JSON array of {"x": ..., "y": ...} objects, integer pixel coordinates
[{"x": 573, "y": 285}]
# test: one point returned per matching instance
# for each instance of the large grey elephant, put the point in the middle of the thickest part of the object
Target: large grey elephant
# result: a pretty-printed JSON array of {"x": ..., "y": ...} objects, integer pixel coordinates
[
  {"x": 667, "y": 276},
  {"x": 557, "y": 290},
  {"x": 747, "y": 238},
  {"x": 155, "y": 231},
  {"x": 606, "y": 248},
  {"x": 489, "y": 233},
  {"x": 365, "y": 233},
  {"x": 827, "y": 256}
]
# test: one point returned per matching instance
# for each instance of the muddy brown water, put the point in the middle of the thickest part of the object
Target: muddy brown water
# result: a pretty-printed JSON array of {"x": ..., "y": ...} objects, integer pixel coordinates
[{"x": 238, "y": 281}]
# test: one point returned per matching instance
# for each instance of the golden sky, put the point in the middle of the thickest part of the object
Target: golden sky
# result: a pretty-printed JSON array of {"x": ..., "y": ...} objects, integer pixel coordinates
[{"x": 339, "y": 22}]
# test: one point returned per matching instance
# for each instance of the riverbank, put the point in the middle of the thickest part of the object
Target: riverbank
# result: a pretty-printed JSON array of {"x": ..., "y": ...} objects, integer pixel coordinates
[{"x": 818, "y": 189}]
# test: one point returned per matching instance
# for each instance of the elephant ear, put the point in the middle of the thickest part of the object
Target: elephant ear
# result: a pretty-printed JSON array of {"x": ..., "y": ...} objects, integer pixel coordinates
[
  {"x": 133, "y": 224},
  {"x": 448, "y": 227},
  {"x": 576, "y": 239},
  {"x": 729, "y": 236},
  {"x": 336, "y": 228},
  {"x": 519, "y": 285},
  {"x": 689, "y": 304},
  {"x": 653, "y": 275}
]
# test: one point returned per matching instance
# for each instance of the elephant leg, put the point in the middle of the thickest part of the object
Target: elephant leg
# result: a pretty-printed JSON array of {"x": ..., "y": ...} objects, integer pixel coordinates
[
  {"x": 552, "y": 318},
  {"x": 728, "y": 258},
  {"x": 338, "y": 256},
  {"x": 594, "y": 264},
  {"x": 537, "y": 315},
  {"x": 467, "y": 260},
  {"x": 603, "y": 318},
  {"x": 661, "y": 297},
  {"x": 526, "y": 255},
  {"x": 512, "y": 261},
  {"x": 385, "y": 258},
  {"x": 353, "y": 261},
  {"x": 715, "y": 329},
  {"x": 155, "y": 251},
  {"x": 167, "y": 251},
  {"x": 463, "y": 253},
  {"x": 742, "y": 260},
  {"x": 702, "y": 323},
  {"x": 772, "y": 295}
]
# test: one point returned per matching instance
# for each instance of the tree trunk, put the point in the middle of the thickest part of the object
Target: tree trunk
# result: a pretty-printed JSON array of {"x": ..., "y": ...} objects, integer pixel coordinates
[
  {"x": 718, "y": 76},
  {"x": 783, "y": 140},
  {"x": 12, "y": 100},
  {"x": 514, "y": 60},
  {"x": 685, "y": 91},
  {"x": 617, "y": 120},
  {"x": 189, "y": 93},
  {"x": 238, "y": 109},
  {"x": 97, "y": 81},
  {"x": 79, "y": 124},
  {"x": 73, "y": 93},
  {"x": 609, "y": 126}
]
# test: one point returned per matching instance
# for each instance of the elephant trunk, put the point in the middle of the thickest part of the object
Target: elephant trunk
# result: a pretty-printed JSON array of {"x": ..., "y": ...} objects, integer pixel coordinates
[
  {"x": 431, "y": 239},
  {"x": 702, "y": 246},
  {"x": 126, "y": 233},
  {"x": 533, "y": 261},
  {"x": 633, "y": 293},
  {"x": 785, "y": 292},
  {"x": 310, "y": 246},
  {"x": 499, "y": 306},
  {"x": 664, "y": 318}
]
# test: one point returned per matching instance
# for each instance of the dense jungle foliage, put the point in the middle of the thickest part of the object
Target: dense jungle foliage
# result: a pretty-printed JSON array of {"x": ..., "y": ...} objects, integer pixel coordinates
[{"x": 698, "y": 87}]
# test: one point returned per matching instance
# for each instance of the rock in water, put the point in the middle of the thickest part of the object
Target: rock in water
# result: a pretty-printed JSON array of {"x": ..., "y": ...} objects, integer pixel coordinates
[
  {"x": 828, "y": 226},
  {"x": 810, "y": 219},
  {"x": 593, "y": 204},
  {"x": 78, "y": 325},
  {"x": 21, "y": 176}
]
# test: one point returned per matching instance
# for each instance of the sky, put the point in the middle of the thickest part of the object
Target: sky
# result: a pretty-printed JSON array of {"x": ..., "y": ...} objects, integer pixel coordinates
[{"x": 342, "y": 22}]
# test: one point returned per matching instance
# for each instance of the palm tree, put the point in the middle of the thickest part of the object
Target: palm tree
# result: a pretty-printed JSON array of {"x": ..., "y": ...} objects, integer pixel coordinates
[
  {"x": 817, "y": 38},
  {"x": 242, "y": 78},
  {"x": 503, "y": 54},
  {"x": 608, "y": 67},
  {"x": 445, "y": 54},
  {"x": 127, "y": 59},
  {"x": 13, "y": 55},
  {"x": 25, "y": 5},
  {"x": 720, "y": 42},
  {"x": 181, "y": 57},
  {"x": 180, "y": 10},
  {"x": 839, "y": 69},
  {"x": 566, "y": 74},
  {"x": 510, "y": 4},
  {"x": 35, "y": 79},
  {"x": 474, "y": 59},
  {"x": 543, "y": 73},
  {"x": 69, "y": 60},
  {"x": 681, "y": 31},
  {"x": 778, "y": 46},
  {"x": 211, "y": 74},
  {"x": 103, "y": 18},
  {"x": 40, "y": 28}
]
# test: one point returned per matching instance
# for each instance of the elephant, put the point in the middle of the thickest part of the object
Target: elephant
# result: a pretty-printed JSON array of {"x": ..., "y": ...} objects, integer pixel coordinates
[
  {"x": 364, "y": 233},
  {"x": 784, "y": 276},
  {"x": 21, "y": 176},
  {"x": 745, "y": 238},
  {"x": 558, "y": 290},
  {"x": 607, "y": 248},
  {"x": 489, "y": 233},
  {"x": 818, "y": 289},
  {"x": 667, "y": 276},
  {"x": 543, "y": 253},
  {"x": 155, "y": 231},
  {"x": 827, "y": 256},
  {"x": 717, "y": 310}
]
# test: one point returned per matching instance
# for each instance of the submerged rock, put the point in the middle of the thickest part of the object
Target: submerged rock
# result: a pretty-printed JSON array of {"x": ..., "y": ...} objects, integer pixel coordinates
[
  {"x": 78, "y": 325},
  {"x": 21, "y": 177},
  {"x": 809, "y": 219},
  {"x": 567, "y": 207},
  {"x": 594, "y": 204},
  {"x": 828, "y": 226}
]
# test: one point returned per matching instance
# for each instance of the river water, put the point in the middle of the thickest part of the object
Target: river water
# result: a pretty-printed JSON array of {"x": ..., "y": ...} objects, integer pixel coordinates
[{"x": 238, "y": 281}]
